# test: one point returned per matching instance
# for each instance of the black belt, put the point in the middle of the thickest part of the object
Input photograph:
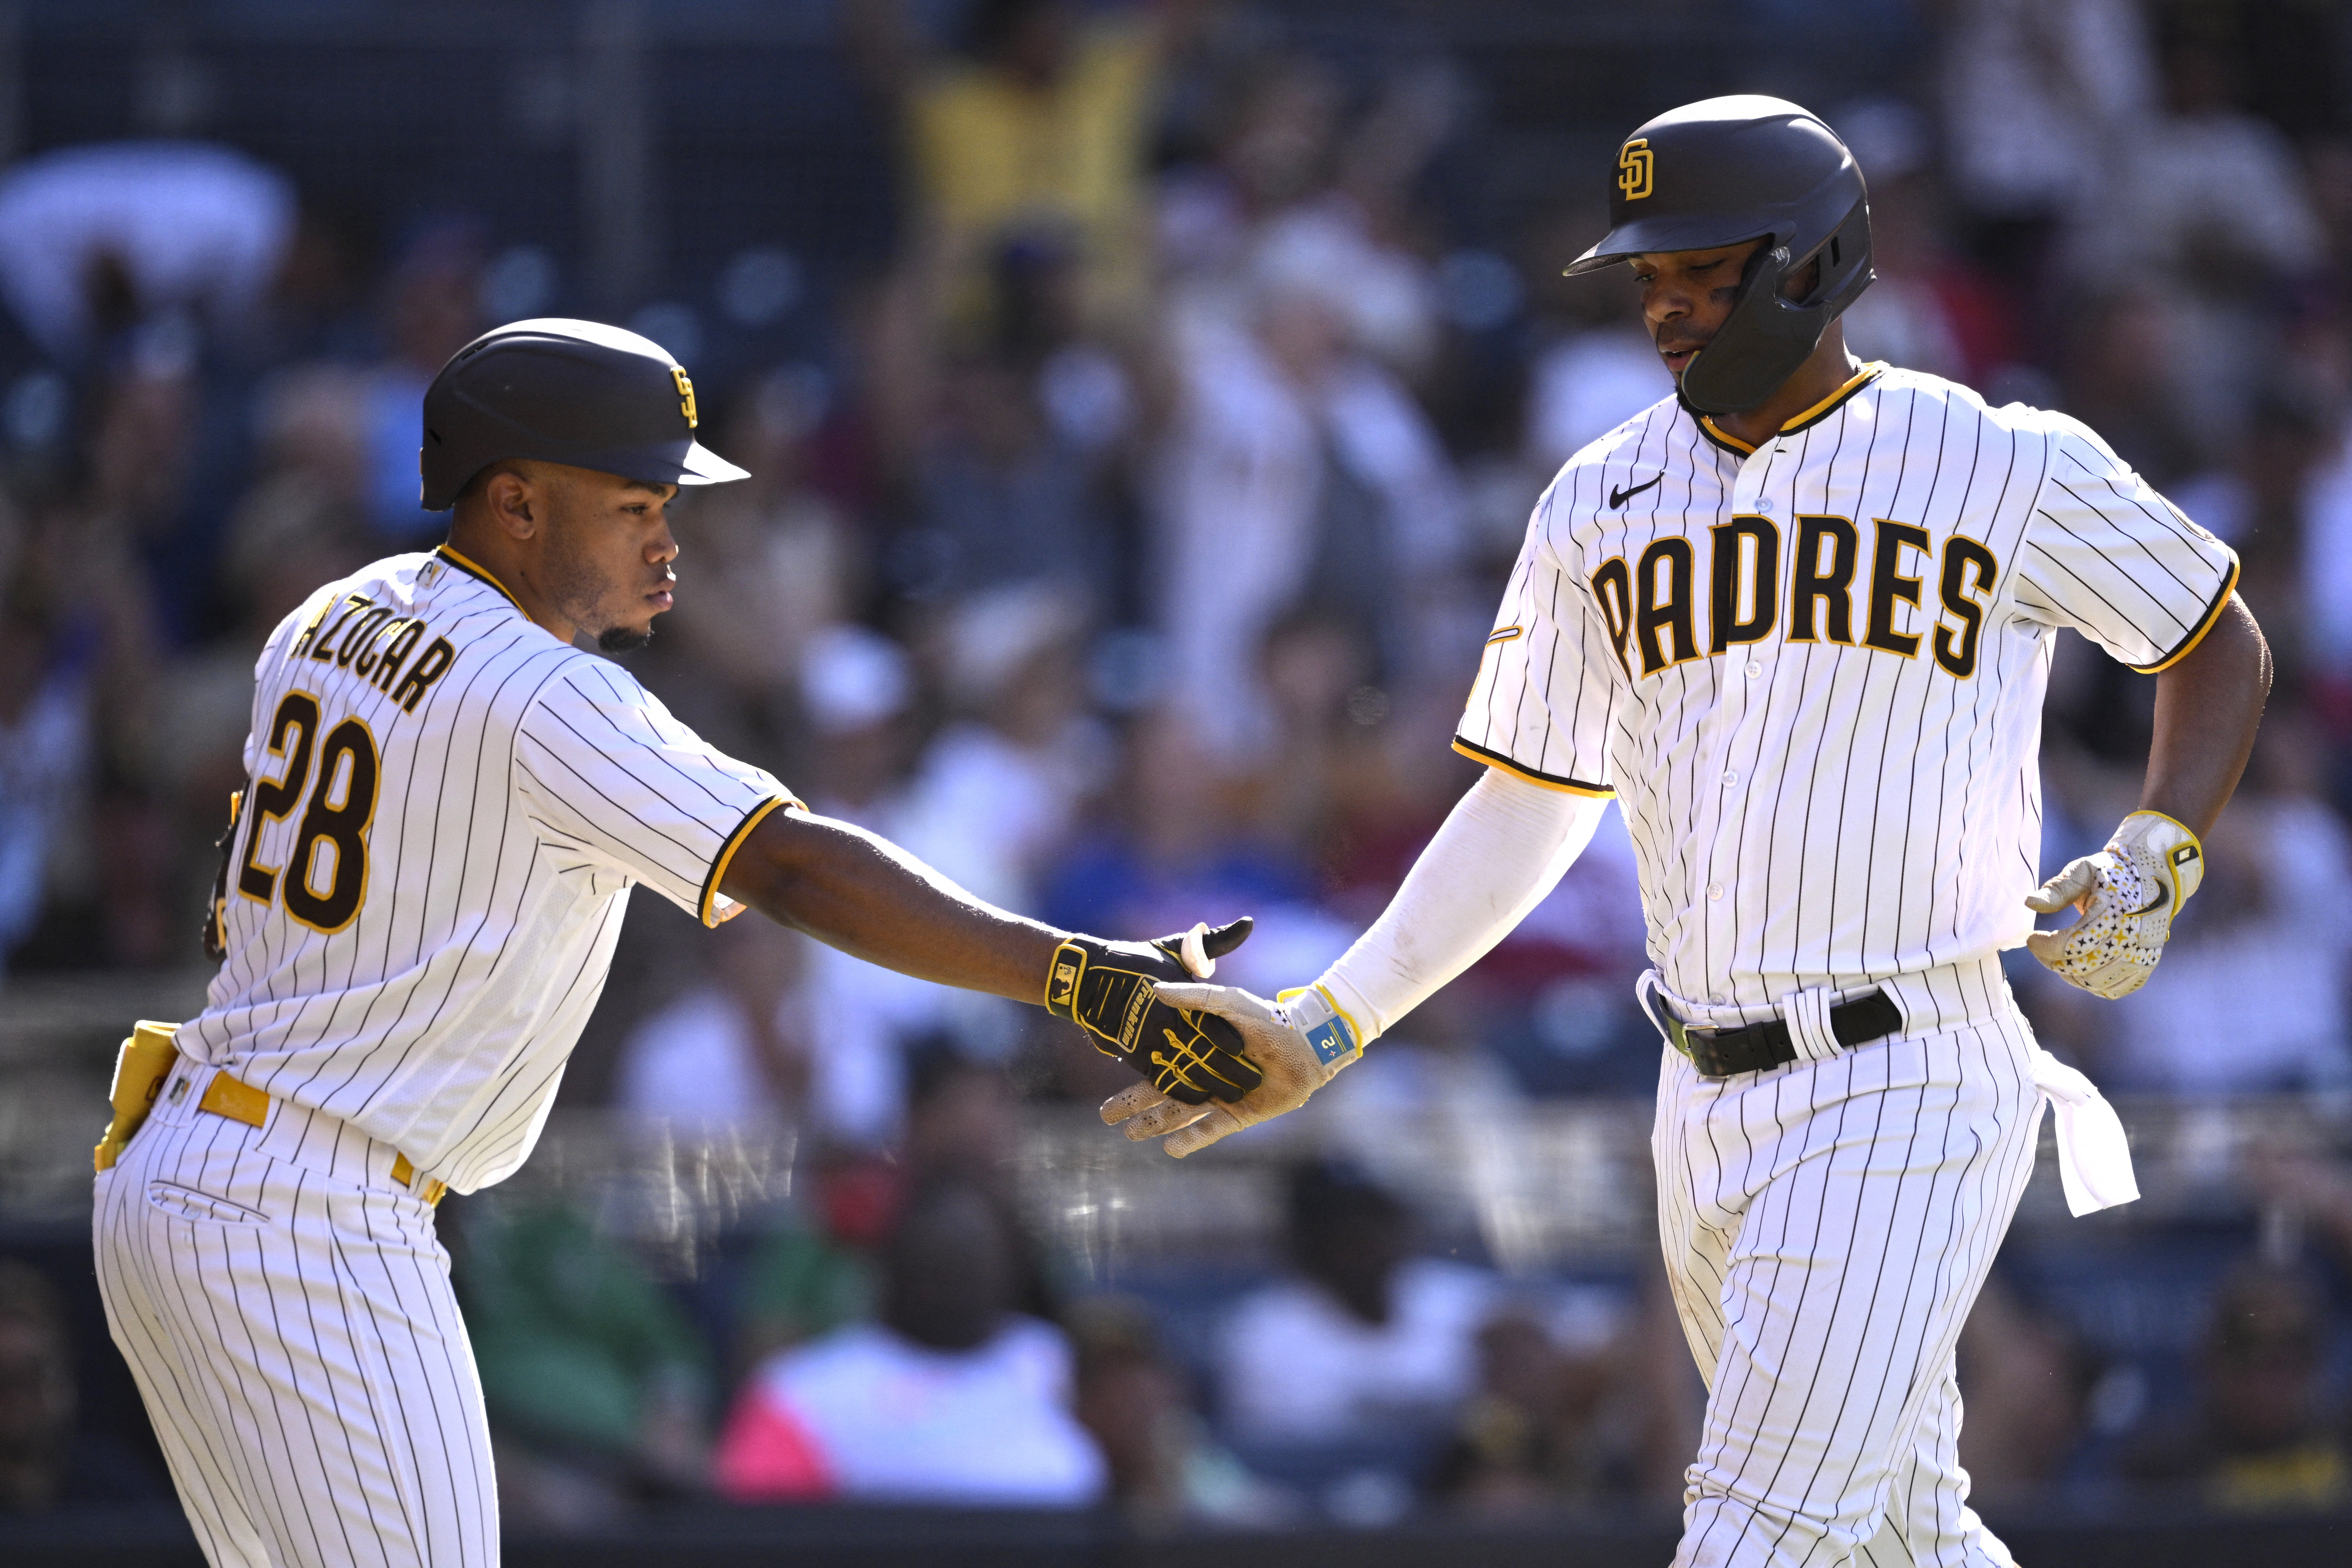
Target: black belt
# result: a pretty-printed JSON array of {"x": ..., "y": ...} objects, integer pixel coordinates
[{"x": 1719, "y": 1053}]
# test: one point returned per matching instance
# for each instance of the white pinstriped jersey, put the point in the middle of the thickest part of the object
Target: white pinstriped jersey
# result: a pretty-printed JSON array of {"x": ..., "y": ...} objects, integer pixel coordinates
[
  {"x": 446, "y": 809},
  {"x": 1812, "y": 671}
]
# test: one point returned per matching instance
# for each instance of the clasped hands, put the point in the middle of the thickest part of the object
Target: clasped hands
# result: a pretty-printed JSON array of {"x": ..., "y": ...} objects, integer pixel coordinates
[{"x": 1214, "y": 1059}]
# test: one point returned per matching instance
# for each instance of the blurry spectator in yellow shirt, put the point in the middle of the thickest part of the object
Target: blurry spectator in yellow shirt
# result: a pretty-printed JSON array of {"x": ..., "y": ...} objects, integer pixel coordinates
[{"x": 1039, "y": 129}]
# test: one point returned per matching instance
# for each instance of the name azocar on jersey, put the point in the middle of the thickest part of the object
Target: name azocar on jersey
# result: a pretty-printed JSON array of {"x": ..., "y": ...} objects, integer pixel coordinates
[
  {"x": 1651, "y": 610},
  {"x": 374, "y": 642}
]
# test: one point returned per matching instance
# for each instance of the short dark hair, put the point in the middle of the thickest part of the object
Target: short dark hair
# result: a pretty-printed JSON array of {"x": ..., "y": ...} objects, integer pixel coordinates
[{"x": 478, "y": 486}]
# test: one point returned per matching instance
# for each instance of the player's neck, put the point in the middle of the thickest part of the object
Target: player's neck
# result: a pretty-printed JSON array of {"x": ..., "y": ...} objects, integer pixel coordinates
[
  {"x": 1828, "y": 368},
  {"x": 488, "y": 554}
]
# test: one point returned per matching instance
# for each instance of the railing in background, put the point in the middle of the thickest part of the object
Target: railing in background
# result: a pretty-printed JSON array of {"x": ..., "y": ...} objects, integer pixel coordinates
[{"x": 1530, "y": 1187}]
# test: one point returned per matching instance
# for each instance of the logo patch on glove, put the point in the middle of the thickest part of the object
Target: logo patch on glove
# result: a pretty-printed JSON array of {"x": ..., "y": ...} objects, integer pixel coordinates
[
  {"x": 1332, "y": 1039},
  {"x": 1105, "y": 989}
]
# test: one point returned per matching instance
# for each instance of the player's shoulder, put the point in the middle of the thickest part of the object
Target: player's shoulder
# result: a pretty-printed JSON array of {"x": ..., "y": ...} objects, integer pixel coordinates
[
  {"x": 1620, "y": 445},
  {"x": 387, "y": 573},
  {"x": 1593, "y": 466},
  {"x": 576, "y": 698},
  {"x": 411, "y": 582},
  {"x": 2024, "y": 421},
  {"x": 393, "y": 579},
  {"x": 422, "y": 595}
]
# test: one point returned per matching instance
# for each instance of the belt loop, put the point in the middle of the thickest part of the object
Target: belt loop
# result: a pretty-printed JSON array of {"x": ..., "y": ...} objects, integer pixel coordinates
[
  {"x": 1807, "y": 1013},
  {"x": 1653, "y": 1007},
  {"x": 404, "y": 1174}
]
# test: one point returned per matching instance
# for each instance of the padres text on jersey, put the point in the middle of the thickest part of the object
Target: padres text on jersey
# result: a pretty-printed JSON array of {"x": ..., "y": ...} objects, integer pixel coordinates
[{"x": 1814, "y": 670}]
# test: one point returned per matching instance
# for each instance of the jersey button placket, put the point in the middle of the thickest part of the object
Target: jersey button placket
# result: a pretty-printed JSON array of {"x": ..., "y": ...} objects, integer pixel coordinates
[{"x": 1748, "y": 498}]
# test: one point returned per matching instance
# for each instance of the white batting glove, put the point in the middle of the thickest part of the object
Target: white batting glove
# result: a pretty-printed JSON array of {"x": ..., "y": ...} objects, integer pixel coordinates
[
  {"x": 2128, "y": 893},
  {"x": 1299, "y": 1042}
]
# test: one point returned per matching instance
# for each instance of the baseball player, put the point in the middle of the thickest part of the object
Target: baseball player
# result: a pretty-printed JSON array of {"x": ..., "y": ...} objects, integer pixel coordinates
[
  {"x": 1797, "y": 620},
  {"x": 449, "y": 798}
]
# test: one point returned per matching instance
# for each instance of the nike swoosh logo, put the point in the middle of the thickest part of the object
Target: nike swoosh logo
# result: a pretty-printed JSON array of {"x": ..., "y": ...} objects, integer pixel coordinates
[
  {"x": 2156, "y": 903},
  {"x": 1618, "y": 498}
]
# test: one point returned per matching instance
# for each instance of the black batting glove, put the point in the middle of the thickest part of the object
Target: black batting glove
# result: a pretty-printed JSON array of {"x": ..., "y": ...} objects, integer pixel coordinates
[{"x": 1105, "y": 988}]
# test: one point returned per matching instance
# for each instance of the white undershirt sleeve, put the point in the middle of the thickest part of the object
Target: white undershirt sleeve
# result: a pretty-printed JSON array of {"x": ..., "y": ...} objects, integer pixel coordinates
[{"x": 1503, "y": 848}]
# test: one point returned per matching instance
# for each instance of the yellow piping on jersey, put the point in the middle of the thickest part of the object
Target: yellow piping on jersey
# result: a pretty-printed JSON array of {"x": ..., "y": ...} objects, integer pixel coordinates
[
  {"x": 1478, "y": 755},
  {"x": 1505, "y": 634},
  {"x": 1854, "y": 383},
  {"x": 2213, "y": 618},
  {"x": 477, "y": 569},
  {"x": 718, "y": 867}
]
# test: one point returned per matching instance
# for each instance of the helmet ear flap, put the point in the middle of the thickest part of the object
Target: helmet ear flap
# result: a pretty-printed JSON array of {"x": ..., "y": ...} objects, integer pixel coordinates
[
  {"x": 1846, "y": 261},
  {"x": 1766, "y": 337}
]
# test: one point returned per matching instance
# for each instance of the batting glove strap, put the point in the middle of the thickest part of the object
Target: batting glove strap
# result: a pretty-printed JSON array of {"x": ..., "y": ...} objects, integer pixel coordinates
[
  {"x": 2153, "y": 834},
  {"x": 2128, "y": 893},
  {"x": 1322, "y": 1024},
  {"x": 1105, "y": 988}
]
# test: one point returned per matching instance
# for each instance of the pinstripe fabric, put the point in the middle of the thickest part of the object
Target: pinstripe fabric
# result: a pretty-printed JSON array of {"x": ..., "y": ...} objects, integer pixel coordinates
[
  {"x": 287, "y": 1316},
  {"x": 1813, "y": 672},
  {"x": 519, "y": 795},
  {"x": 1826, "y": 1227},
  {"x": 446, "y": 810},
  {"x": 1831, "y": 782}
]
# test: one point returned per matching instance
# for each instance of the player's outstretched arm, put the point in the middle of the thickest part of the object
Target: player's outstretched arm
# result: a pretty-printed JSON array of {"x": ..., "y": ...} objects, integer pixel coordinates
[
  {"x": 863, "y": 894},
  {"x": 2207, "y": 707}
]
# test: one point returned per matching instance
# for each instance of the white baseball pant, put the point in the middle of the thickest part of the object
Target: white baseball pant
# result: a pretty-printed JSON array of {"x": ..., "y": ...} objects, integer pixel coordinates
[
  {"x": 286, "y": 1309},
  {"x": 1827, "y": 1225}
]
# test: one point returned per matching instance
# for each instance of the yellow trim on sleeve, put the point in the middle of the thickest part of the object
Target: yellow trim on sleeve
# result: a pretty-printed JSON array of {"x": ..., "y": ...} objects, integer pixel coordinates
[
  {"x": 1505, "y": 634},
  {"x": 2213, "y": 617},
  {"x": 759, "y": 813},
  {"x": 1492, "y": 761}
]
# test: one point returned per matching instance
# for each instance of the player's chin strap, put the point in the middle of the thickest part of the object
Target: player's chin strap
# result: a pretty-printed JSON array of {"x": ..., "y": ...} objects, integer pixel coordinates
[{"x": 2094, "y": 1161}]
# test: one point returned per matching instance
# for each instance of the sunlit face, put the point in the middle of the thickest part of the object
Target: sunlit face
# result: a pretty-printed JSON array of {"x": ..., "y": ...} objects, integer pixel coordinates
[
  {"x": 607, "y": 551},
  {"x": 1686, "y": 295}
]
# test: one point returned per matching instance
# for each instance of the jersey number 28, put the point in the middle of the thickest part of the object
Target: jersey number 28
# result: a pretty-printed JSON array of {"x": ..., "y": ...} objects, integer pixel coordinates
[{"x": 342, "y": 805}]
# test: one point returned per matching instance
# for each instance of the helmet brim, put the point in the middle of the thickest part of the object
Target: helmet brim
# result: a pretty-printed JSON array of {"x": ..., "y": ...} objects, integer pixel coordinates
[
  {"x": 705, "y": 466},
  {"x": 1658, "y": 235},
  {"x": 684, "y": 463}
]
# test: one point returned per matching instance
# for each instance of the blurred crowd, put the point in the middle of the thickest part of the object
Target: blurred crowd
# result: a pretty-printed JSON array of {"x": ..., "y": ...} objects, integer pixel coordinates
[{"x": 1125, "y": 553}]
